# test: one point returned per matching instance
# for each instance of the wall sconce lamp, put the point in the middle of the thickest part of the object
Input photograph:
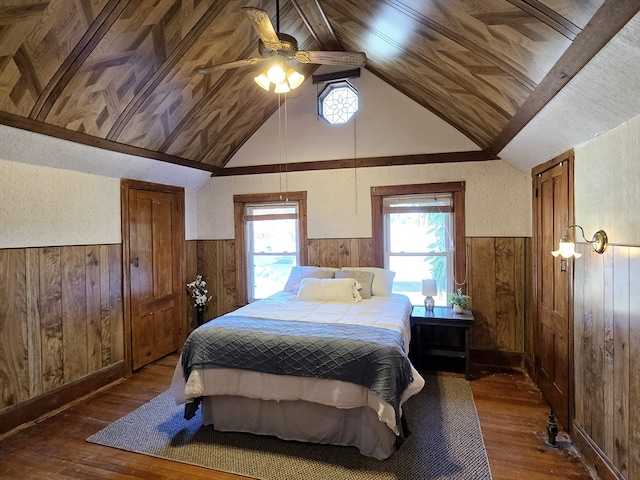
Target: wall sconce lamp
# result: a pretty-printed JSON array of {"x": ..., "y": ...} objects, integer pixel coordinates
[
  {"x": 567, "y": 246},
  {"x": 429, "y": 290}
]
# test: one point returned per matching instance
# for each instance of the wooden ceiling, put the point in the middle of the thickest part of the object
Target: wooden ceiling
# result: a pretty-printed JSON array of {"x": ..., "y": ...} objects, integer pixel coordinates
[{"x": 121, "y": 74}]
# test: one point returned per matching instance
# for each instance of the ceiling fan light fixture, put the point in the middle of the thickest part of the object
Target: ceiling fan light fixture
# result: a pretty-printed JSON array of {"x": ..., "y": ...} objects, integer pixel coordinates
[
  {"x": 294, "y": 78},
  {"x": 263, "y": 81},
  {"x": 282, "y": 88},
  {"x": 276, "y": 74}
]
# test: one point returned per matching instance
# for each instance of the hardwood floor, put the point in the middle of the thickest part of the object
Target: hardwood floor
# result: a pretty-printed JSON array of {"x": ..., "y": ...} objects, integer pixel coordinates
[{"x": 512, "y": 415}]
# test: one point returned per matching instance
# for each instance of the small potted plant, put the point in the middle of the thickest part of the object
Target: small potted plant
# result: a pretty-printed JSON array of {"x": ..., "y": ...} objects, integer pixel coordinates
[{"x": 459, "y": 301}]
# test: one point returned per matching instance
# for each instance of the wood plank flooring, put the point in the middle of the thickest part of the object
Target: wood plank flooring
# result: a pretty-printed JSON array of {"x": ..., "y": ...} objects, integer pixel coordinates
[{"x": 512, "y": 415}]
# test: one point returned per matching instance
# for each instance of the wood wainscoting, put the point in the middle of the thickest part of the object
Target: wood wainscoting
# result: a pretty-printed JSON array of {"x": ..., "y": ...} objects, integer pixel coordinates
[
  {"x": 499, "y": 283},
  {"x": 498, "y": 275},
  {"x": 607, "y": 360},
  {"x": 61, "y": 326}
]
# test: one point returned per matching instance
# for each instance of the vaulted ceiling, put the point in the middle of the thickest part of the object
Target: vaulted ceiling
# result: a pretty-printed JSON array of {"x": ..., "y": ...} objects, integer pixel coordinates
[{"x": 121, "y": 74}]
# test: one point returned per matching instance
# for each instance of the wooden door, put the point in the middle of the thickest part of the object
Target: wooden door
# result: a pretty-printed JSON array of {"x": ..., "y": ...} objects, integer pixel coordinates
[
  {"x": 553, "y": 326},
  {"x": 155, "y": 242}
]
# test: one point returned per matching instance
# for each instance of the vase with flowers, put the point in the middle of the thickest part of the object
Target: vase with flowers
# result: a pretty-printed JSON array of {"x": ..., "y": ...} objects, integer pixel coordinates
[
  {"x": 459, "y": 301},
  {"x": 200, "y": 296}
]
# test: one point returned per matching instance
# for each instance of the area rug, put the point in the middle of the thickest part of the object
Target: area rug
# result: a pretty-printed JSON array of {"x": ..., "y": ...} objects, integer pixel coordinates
[{"x": 445, "y": 442}]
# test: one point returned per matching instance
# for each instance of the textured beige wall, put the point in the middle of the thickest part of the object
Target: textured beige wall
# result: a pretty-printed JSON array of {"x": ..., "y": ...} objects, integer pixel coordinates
[
  {"x": 42, "y": 206},
  {"x": 498, "y": 198},
  {"x": 607, "y": 184},
  {"x": 387, "y": 123}
]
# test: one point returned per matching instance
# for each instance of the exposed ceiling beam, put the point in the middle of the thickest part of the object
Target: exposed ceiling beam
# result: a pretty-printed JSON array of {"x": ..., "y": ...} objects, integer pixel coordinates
[
  {"x": 96, "y": 32},
  {"x": 603, "y": 26},
  {"x": 23, "y": 123},
  {"x": 317, "y": 23},
  {"x": 419, "y": 159}
]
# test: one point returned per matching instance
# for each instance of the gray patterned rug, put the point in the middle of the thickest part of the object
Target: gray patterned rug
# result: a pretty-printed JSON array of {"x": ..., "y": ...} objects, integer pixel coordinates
[{"x": 445, "y": 442}]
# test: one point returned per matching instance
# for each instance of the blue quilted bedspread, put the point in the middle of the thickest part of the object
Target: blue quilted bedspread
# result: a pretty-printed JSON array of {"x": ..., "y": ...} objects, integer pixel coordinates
[{"x": 370, "y": 356}]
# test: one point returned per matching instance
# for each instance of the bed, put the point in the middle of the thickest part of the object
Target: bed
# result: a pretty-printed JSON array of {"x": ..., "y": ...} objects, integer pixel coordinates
[{"x": 323, "y": 361}]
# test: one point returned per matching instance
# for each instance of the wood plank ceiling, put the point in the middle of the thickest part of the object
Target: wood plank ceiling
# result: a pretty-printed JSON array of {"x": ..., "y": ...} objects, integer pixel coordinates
[{"x": 120, "y": 74}]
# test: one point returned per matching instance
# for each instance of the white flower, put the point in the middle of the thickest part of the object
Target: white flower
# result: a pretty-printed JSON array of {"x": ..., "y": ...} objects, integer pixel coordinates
[{"x": 199, "y": 292}]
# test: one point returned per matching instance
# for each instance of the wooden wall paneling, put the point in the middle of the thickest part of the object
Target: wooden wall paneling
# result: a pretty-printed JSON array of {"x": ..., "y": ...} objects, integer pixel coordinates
[
  {"x": 51, "y": 318},
  {"x": 620, "y": 362},
  {"x": 588, "y": 340},
  {"x": 481, "y": 278},
  {"x": 50, "y": 294},
  {"x": 74, "y": 312},
  {"x": 328, "y": 253},
  {"x": 14, "y": 386},
  {"x": 521, "y": 273},
  {"x": 607, "y": 352},
  {"x": 506, "y": 308},
  {"x": 228, "y": 277},
  {"x": 207, "y": 267},
  {"x": 579, "y": 335},
  {"x": 115, "y": 303},
  {"x": 607, "y": 359},
  {"x": 347, "y": 251},
  {"x": 597, "y": 352},
  {"x": 94, "y": 336},
  {"x": 634, "y": 363},
  {"x": 365, "y": 253},
  {"x": 215, "y": 261},
  {"x": 34, "y": 334},
  {"x": 105, "y": 311},
  {"x": 313, "y": 246},
  {"x": 340, "y": 252},
  {"x": 191, "y": 270}
]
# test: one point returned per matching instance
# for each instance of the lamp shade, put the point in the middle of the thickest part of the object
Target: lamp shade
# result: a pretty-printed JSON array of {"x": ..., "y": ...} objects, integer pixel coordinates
[
  {"x": 567, "y": 248},
  {"x": 263, "y": 81},
  {"x": 276, "y": 74},
  {"x": 294, "y": 78},
  {"x": 429, "y": 287}
]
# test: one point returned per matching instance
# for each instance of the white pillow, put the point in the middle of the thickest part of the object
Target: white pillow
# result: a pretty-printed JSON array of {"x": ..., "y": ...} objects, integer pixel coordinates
[
  {"x": 382, "y": 280},
  {"x": 298, "y": 273},
  {"x": 328, "y": 290}
]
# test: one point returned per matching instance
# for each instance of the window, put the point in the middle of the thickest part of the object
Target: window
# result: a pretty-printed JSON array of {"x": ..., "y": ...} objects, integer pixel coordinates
[
  {"x": 269, "y": 235},
  {"x": 417, "y": 229},
  {"x": 338, "y": 102}
]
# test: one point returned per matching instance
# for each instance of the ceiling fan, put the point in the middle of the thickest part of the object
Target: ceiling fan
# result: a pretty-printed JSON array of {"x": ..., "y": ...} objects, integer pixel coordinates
[{"x": 283, "y": 48}]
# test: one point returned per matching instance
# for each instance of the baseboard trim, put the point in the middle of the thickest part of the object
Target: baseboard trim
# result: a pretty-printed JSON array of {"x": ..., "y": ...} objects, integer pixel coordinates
[
  {"x": 593, "y": 456},
  {"x": 34, "y": 408}
]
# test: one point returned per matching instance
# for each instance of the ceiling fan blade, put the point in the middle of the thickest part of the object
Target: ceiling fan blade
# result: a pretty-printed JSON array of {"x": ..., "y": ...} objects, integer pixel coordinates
[
  {"x": 263, "y": 27},
  {"x": 353, "y": 59},
  {"x": 225, "y": 66}
]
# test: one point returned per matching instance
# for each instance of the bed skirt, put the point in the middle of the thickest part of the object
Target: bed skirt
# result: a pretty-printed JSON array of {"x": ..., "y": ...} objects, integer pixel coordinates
[{"x": 301, "y": 421}]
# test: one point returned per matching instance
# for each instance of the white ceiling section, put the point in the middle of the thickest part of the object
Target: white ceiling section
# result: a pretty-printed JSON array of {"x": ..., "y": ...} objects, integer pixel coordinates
[
  {"x": 27, "y": 147},
  {"x": 605, "y": 94}
]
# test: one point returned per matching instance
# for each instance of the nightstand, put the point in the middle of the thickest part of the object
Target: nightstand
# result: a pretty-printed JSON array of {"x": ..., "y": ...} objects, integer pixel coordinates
[{"x": 444, "y": 317}]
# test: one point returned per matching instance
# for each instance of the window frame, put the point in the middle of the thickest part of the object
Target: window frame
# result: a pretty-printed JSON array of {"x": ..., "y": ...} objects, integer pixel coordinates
[
  {"x": 239, "y": 204},
  {"x": 330, "y": 88},
  {"x": 456, "y": 189}
]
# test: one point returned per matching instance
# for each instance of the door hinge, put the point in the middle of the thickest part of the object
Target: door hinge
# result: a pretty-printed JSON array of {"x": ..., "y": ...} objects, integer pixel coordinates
[{"x": 536, "y": 192}]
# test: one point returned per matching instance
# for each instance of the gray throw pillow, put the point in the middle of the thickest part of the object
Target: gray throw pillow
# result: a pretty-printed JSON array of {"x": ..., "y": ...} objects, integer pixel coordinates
[{"x": 363, "y": 277}]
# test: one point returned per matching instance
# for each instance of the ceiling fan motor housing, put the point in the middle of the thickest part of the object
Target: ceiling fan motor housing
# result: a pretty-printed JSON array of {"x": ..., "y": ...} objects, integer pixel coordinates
[{"x": 288, "y": 47}]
